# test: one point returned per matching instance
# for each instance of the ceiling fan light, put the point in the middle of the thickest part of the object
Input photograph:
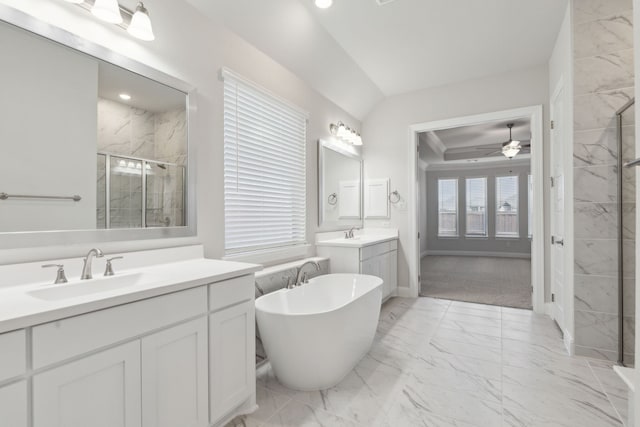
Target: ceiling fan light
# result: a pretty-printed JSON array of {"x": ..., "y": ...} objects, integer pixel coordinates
[
  {"x": 140, "y": 26},
  {"x": 509, "y": 151},
  {"x": 323, "y": 4},
  {"x": 107, "y": 10}
]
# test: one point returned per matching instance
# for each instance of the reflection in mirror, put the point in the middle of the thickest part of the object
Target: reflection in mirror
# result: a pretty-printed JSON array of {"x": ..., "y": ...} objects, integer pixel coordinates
[
  {"x": 73, "y": 124},
  {"x": 340, "y": 185}
]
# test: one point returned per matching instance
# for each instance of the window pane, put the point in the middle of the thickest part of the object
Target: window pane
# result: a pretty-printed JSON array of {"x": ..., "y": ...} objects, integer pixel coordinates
[
  {"x": 447, "y": 207},
  {"x": 476, "y": 206},
  {"x": 530, "y": 206},
  {"x": 507, "y": 206}
]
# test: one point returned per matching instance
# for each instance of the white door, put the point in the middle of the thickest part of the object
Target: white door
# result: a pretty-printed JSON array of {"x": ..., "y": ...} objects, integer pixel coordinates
[
  {"x": 102, "y": 390},
  {"x": 13, "y": 405},
  {"x": 175, "y": 375},
  {"x": 232, "y": 358},
  {"x": 557, "y": 210}
]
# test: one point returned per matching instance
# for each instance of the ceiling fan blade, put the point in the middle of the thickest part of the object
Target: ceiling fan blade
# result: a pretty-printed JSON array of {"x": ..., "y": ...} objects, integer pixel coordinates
[{"x": 493, "y": 152}]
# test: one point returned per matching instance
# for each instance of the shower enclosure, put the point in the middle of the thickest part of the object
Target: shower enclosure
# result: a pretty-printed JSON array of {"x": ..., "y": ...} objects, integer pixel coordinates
[
  {"x": 139, "y": 193},
  {"x": 626, "y": 232}
]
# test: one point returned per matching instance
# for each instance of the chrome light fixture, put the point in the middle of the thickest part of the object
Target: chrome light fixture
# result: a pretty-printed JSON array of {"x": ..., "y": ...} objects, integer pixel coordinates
[
  {"x": 140, "y": 26},
  {"x": 343, "y": 133},
  {"x": 323, "y": 4},
  {"x": 107, "y": 10}
]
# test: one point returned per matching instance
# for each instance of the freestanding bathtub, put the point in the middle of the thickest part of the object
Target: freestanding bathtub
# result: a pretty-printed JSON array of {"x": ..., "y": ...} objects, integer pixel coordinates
[{"x": 315, "y": 334}]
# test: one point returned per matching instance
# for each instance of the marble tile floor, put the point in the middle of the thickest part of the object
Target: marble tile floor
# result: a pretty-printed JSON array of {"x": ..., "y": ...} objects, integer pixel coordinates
[{"x": 441, "y": 363}]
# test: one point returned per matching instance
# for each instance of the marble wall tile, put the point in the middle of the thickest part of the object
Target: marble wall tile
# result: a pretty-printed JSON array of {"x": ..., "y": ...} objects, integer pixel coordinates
[
  {"x": 595, "y": 184},
  {"x": 596, "y": 147},
  {"x": 629, "y": 259},
  {"x": 629, "y": 334},
  {"x": 595, "y": 220},
  {"x": 598, "y": 110},
  {"x": 628, "y": 221},
  {"x": 611, "y": 33},
  {"x": 114, "y": 127},
  {"x": 591, "y": 10},
  {"x": 142, "y": 138},
  {"x": 596, "y": 353},
  {"x": 629, "y": 296},
  {"x": 604, "y": 72},
  {"x": 596, "y": 293},
  {"x": 596, "y": 330},
  {"x": 628, "y": 143},
  {"x": 597, "y": 257}
]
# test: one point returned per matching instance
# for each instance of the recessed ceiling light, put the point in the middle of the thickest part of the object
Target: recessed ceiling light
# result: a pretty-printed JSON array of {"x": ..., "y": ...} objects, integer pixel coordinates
[
  {"x": 323, "y": 4},
  {"x": 125, "y": 96}
]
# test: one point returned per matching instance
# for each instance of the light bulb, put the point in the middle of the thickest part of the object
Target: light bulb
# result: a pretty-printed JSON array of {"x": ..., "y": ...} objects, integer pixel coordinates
[
  {"x": 140, "y": 26},
  {"x": 107, "y": 10},
  {"x": 125, "y": 96},
  {"x": 76, "y": 1},
  {"x": 323, "y": 4}
]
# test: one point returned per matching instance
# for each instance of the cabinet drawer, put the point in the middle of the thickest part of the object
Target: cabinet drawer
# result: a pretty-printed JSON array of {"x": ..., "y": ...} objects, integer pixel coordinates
[
  {"x": 230, "y": 292},
  {"x": 62, "y": 339},
  {"x": 374, "y": 250},
  {"x": 13, "y": 354}
]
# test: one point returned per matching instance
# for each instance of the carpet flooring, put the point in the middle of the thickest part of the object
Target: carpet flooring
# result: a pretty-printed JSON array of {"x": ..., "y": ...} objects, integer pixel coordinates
[{"x": 486, "y": 280}]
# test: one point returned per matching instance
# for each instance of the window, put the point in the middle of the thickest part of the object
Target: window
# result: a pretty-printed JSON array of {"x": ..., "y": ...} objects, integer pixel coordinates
[
  {"x": 264, "y": 170},
  {"x": 507, "y": 206},
  {"x": 476, "y": 191},
  {"x": 530, "y": 205},
  {"x": 448, "y": 207}
]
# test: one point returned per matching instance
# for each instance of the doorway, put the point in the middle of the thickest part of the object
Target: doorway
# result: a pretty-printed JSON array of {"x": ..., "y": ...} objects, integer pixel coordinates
[{"x": 534, "y": 117}]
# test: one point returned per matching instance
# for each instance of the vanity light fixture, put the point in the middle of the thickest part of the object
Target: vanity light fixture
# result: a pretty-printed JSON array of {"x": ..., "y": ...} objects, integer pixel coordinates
[
  {"x": 323, "y": 4},
  {"x": 140, "y": 26},
  {"x": 137, "y": 23},
  {"x": 125, "y": 96},
  {"x": 343, "y": 133},
  {"x": 107, "y": 10}
]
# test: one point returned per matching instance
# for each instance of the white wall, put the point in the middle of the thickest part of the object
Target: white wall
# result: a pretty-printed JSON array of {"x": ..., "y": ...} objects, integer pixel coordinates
[
  {"x": 561, "y": 73},
  {"x": 45, "y": 150},
  {"x": 424, "y": 223},
  {"x": 386, "y": 131},
  {"x": 193, "y": 48}
]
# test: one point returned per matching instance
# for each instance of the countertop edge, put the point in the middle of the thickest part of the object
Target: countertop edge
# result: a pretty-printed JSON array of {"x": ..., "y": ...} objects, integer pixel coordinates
[{"x": 355, "y": 243}]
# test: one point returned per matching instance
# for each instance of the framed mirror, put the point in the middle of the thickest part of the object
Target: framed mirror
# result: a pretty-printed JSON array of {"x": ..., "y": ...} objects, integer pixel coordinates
[
  {"x": 94, "y": 146},
  {"x": 340, "y": 185}
]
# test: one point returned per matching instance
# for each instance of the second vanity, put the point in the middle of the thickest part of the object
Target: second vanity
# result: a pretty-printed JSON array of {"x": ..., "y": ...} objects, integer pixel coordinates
[
  {"x": 370, "y": 251},
  {"x": 172, "y": 344}
]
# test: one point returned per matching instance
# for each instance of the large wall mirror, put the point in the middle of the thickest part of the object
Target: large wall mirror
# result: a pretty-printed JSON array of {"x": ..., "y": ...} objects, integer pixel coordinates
[
  {"x": 91, "y": 149},
  {"x": 340, "y": 185}
]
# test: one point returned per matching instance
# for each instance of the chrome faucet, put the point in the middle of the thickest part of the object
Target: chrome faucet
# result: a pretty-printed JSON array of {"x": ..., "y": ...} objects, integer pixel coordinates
[
  {"x": 301, "y": 278},
  {"x": 86, "y": 268},
  {"x": 349, "y": 234}
]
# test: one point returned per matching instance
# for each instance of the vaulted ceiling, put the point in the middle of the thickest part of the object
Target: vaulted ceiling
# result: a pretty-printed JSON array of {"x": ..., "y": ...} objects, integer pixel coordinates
[{"x": 357, "y": 52}]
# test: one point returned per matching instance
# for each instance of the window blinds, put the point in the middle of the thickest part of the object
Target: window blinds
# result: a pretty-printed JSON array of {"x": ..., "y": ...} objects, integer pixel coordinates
[
  {"x": 476, "y": 191},
  {"x": 507, "y": 206},
  {"x": 264, "y": 170},
  {"x": 448, "y": 207}
]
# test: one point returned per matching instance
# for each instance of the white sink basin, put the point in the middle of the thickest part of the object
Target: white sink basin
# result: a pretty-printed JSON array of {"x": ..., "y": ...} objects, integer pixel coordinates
[{"x": 77, "y": 288}]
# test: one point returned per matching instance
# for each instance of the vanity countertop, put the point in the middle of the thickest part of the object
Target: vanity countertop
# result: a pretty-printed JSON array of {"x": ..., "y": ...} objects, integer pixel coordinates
[
  {"x": 19, "y": 308},
  {"x": 356, "y": 242}
]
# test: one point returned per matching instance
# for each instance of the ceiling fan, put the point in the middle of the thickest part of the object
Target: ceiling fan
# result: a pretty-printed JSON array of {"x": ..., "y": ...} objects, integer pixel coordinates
[{"x": 509, "y": 148}]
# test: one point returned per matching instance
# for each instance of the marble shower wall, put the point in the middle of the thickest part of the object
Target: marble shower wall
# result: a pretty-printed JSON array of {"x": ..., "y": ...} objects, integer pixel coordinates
[
  {"x": 603, "y": 83},
  {"x": 128, "y": 131}
]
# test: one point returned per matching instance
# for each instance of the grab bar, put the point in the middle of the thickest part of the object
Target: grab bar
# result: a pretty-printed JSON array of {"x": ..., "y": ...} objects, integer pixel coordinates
[{"x": 5, "y": 196}]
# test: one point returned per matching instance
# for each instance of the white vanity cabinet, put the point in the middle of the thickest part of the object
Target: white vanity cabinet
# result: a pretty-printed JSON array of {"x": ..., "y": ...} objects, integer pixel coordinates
[
  {"x": 185, "y": 358},
  {"x": 13, "y": 404},
  {"x": 231, "y": 347},
  {"x": 102, "y": 389},
  {"x": 364, "y": 256}
]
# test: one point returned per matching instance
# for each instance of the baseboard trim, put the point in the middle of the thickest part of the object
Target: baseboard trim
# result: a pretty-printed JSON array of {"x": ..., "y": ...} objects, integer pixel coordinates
[
  {"x": 424, "y": 254},
  {"x": 569, "y": 343},
  {"x": 479, "y": 254}
]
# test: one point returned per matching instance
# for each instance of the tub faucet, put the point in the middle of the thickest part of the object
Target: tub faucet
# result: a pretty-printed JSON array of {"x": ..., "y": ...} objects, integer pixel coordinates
[
  {"x": 86, "y": 268},
  {"x": 301, "y": 277}
]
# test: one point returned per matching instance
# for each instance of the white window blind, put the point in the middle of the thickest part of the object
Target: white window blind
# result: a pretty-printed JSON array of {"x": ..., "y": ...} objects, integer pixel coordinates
[
  {"x": 476, "y": 194},
  {"x": 507, "y": 206},
  {"x": 264, "y": 170},
  {"x": 448, "y": 207}
]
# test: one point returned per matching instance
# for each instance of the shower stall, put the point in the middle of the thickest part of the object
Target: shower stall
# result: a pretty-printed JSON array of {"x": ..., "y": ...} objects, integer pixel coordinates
[
  {"x": 134, "y": 192},
  {"x": 626, "y": 232}
]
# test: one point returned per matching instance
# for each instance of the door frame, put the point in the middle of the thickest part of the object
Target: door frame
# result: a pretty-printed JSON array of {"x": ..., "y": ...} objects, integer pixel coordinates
[{"x": 534, "y": 113}]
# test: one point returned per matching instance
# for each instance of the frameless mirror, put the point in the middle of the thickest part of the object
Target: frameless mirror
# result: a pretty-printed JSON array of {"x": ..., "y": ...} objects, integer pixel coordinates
[
  {"x": 340, "y": 185},
  {"x": 86, "y": 144}
]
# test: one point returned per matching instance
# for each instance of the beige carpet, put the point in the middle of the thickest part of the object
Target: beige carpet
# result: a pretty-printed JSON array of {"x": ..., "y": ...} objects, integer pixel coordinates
[{"x": 486, "y": 280}]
